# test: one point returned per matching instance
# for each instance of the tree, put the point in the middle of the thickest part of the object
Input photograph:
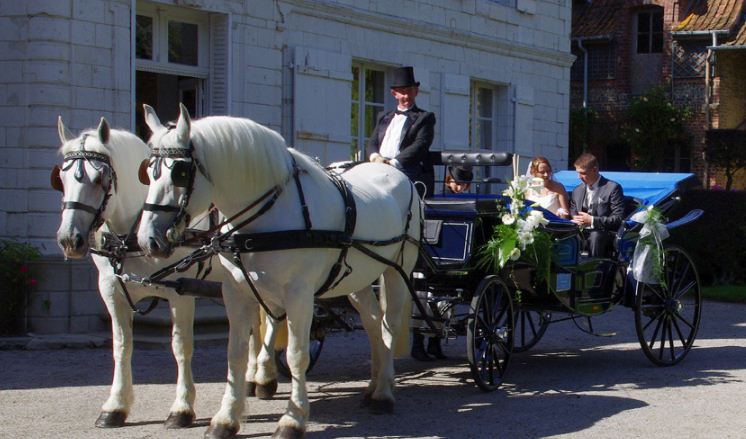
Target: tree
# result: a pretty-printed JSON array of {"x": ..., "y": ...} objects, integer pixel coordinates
[
  {"x": 726, "y": 149},
  {"x": 654, "y": 128}
]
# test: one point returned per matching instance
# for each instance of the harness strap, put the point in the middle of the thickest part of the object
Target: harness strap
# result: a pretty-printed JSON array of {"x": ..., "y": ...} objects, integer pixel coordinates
[
  {"x": 299, "y": 186},
  {"x": 238, "y": 263},
  {"x": 79, "y": 206},
  {"x": 160, "y": 207}
]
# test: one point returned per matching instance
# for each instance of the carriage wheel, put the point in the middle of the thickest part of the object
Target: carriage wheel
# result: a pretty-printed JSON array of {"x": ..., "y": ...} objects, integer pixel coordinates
[
  {"x": 667, "y": 318},
  {"x": 489, "y": 337},
  {"x": 314, "y": 351},
  {"x": 530, "y": 326}
]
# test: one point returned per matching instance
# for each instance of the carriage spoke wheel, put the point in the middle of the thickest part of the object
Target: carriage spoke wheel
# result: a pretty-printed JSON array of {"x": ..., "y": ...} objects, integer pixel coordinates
[
  {"x": 314, "y": 351},
  {"x": 667, "y": 316},
  {"x": 530, "y": 326},
  {"x": 489, "y": 337}
]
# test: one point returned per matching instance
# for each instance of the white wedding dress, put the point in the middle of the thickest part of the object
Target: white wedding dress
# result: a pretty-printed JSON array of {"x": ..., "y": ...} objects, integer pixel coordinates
[{"x": 549, "y": 201}]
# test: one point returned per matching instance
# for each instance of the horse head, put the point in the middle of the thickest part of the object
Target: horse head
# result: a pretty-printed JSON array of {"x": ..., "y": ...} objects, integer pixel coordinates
[
  {"x": 86, "y": 180},
  {"x": 176, "y": 184}
]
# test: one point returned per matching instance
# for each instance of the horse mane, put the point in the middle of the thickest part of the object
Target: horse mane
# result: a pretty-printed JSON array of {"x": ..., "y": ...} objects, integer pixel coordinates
[{"x": 240, "y": 152}]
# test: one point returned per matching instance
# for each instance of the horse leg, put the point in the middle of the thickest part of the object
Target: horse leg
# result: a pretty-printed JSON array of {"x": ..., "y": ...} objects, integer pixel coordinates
[
  {"x": 117, "y": 407},
  {"x": 241, "y": 310},
  {"x": 396, "y": 309},
  {"x": 366, "y": 304},
  {"x": 266, "y": 372},
  {"x": 182, "y": 344},
  {"x": 299, "y": 308},
  {"x": 251, "y": 363}
]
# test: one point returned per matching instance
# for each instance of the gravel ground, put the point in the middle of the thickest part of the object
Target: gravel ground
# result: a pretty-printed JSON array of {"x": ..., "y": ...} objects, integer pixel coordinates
[{"x": 570, "y": 385}]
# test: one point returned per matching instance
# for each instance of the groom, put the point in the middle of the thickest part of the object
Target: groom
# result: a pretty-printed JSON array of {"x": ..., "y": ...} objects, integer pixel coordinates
[{"x": 597, "y": 206}]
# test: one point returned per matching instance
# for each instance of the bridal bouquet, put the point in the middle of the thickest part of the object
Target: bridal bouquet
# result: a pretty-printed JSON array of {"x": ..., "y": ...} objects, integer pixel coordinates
[{"x": 519, "y": 235}]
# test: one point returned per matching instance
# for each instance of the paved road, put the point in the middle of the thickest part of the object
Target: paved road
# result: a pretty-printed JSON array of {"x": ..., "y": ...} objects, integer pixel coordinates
[{"x": 570, "y": 385}]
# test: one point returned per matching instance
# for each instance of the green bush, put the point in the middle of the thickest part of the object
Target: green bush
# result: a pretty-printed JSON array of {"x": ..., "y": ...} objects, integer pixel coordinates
[
  {"x": 16, "y": 282},
  {"x": 717, "y": 241}
]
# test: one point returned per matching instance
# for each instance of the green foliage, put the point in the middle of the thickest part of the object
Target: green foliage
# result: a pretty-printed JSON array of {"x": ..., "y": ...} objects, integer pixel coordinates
[
  {"x": 653, "y": 129},
  {"x": 16, "y": 281},
  {"x": 735, "y": 293},
  {"x": 582, "y": 122},
  {"x": 726, "y": 149}
]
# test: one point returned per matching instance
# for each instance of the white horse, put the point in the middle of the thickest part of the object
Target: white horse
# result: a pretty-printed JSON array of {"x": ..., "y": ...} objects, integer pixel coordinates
[
  {"x": 237, "y": 163},
  {"x": 105, "y": 161}
]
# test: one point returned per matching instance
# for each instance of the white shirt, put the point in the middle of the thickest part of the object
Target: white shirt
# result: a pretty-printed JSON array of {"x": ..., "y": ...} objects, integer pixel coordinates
[
  {"x": 590, "y": 196},
  {"x": 390, "y": 145}
]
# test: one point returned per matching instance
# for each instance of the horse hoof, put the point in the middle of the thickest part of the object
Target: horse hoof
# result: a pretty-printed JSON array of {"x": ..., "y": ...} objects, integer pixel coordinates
[
  {"x": 113, "y": 419},
  {"x": 250, "y": 388},
  {"x": 381, "y": 407},
  {"x": 287, "y": 433},
  {"x": 179, "y": 420},
  {"x": 266, "y": 391},
  {"x": 221, "y": 432}
]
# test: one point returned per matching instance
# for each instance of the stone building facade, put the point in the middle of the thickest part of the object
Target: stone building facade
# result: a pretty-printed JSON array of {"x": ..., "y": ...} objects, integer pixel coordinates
[{"x": 495, "y": 72}]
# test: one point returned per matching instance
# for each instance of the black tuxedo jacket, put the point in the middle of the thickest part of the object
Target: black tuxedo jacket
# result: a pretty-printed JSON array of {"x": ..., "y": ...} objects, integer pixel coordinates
[
  {"x": 419, "y": 130},
  {"x": 608, "y": 208}
]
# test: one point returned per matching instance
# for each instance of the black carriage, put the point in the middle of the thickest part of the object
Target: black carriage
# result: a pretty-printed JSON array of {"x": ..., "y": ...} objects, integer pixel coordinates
[{"x": 507, "y": 311}]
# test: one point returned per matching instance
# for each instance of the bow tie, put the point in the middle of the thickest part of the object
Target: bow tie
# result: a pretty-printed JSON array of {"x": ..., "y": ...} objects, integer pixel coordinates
[{"x": 405, "y": 112}]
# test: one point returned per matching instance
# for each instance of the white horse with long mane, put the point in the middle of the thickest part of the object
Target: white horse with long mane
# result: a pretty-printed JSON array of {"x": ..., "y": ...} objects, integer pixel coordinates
[
  {"x": 237, "y": 163},
  {"x": 105, "y": 161}
]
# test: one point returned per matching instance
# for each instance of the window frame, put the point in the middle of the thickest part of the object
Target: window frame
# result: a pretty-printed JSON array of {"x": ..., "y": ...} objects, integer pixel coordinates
[
  {"x": 161, "y": 15},
  {"x": 360, "y": 136},
  {"x": 649, "y": 32},
  {"x": 474, "y": 90}
]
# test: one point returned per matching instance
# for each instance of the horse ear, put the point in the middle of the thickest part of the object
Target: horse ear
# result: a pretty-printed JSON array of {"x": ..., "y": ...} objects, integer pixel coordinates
[
  {"x": 104, "y": 131},
  {"x": 151, "y": 119},
  {"x": 142, "y": 173},
  {"x": 55, "y": 180},
  {"x": 183, "y": 126},
  {"x": 62, "y": 130}
]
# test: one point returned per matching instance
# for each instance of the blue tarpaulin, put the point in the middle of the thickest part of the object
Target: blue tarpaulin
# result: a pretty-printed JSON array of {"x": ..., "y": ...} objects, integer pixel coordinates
[{"x": 648, "y": 187}]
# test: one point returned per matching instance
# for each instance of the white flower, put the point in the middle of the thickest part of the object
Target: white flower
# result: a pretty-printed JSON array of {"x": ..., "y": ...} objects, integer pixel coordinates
[
  {"x": 515, "y": 254},
  {"x": 508, "y": 219},
  {"x": 537, "y": 184}
]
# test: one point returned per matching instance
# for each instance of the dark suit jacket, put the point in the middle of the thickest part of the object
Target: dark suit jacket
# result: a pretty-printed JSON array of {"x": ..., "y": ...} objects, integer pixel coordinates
[
  {"x": 419, "y": 130},
  {"x": 608, "y": 208}
]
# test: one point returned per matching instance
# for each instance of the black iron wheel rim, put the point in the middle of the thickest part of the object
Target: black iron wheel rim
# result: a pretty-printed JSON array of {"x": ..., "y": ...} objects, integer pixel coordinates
[
  {"x": 490, "y": 334},
  {"x": 667, "y": 316}
]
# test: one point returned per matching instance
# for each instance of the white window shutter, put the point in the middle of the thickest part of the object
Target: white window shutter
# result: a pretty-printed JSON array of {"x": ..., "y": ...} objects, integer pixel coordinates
[
  {"x": 322, "y": 104},
  {"x": 454, "y": 118},
  {"x": 220, "y": 65}
]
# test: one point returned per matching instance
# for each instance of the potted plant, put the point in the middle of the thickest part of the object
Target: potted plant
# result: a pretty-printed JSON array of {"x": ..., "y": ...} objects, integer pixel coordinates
[{"x": 16, "y": 282}]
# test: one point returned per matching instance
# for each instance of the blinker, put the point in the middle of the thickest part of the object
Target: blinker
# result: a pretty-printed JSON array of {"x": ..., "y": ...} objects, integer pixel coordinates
[
  {"x": 55, "y": 180},
  {"x": 180, "y": 173},
  {"x": 142, "y": 172}
]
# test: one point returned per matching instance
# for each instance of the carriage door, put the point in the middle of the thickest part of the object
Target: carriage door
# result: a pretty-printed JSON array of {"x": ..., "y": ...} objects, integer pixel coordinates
[{"x": 172, "y": 49}]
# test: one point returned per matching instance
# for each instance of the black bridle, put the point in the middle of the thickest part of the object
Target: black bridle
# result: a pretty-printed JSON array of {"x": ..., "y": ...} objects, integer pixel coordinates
[
  {"x": 81, "y": 157},
  {"x": 182, "y": 175}
]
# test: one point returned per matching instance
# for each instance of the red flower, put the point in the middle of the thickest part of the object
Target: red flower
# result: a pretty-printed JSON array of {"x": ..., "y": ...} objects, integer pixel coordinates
[
  {"x": 23, "y": 268},
  {"x": 32, "y": 282}
]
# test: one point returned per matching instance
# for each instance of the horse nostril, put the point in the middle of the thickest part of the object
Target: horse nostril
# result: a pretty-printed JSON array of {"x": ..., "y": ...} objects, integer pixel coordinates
[
  {"x": 153, "y": 244},
  {"x": 78, "y": 241}
]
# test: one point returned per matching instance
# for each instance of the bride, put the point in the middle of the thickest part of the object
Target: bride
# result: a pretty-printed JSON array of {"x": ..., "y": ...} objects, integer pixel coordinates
[{"x": 552, "y": 196}]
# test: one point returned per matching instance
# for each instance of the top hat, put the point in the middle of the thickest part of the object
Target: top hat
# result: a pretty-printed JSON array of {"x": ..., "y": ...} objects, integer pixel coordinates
[
  {"x": 462, "y": 174},
  {"x": 403, "y": 77}
]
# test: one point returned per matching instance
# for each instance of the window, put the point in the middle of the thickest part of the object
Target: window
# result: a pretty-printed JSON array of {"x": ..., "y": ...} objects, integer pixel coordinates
[
  {"x": 172, "y": 61},
  {"x": 368, "y": 95},
  {"x": 650, "y": 31},
  {"x": 482, "y": 132},
  {"x": 601, "y": 58}
]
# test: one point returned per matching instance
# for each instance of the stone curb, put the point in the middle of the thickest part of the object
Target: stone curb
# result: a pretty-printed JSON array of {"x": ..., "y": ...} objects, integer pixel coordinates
[{"x": 54, "y": 341}]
